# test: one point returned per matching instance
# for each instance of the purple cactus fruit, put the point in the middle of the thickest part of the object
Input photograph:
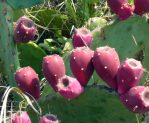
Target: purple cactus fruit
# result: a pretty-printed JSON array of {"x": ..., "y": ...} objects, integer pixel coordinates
[
  {"x": 115, "y": 5},
  {"x": 136, "y": 99},
  {"x": 28, "y": 81},
  {"x": 49, "y": 118},
  {"x": 69, "y": 87},
  {"x": 82, "y": 37},
  {"x": 20, "y": 117},
  {"x": 81, "y": 64},
  {"x": 125, "y": 11},
  {"x": 53, "y": 69},
  {"x": 129, "y": 75},
  {"x": 141, "y": 6},
  {"x": 106, "y": 63},
  {"x": 24, "y": 30}
]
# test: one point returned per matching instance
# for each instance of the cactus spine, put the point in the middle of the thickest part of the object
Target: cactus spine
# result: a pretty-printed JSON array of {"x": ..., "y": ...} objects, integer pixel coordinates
[{"x": 8, "y": 50}]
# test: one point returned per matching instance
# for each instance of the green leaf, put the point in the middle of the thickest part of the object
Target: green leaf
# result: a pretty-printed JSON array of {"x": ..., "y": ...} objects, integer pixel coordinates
[
  {"x": 16, "y": 4},
  {"x": 31, "y": 55},
  {"x": 93, "y": 106}
]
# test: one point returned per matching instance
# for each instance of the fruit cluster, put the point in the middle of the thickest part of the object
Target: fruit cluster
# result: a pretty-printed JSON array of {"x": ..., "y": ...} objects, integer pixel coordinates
[
  {"x": 121, "y": 77},
  {"x": 124, "y": 10}
]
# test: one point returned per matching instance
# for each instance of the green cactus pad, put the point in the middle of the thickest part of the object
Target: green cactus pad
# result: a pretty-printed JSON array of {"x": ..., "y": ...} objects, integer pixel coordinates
[
  {"x": 24, "y": 3},
  {"x": 93, "y": 106},
  {"x": 129, "y": 38}
]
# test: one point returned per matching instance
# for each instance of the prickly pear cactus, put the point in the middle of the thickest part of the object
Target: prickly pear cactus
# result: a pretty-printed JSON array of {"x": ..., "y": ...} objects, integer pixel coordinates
[{"x": 129, "y": 38}]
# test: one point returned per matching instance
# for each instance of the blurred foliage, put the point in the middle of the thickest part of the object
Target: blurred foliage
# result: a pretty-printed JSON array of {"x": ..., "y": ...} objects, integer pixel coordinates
[
  {"x": 96, "y": 22},
  {"x": 51, "y": 46},
  {"x": 51, "y": 23}
]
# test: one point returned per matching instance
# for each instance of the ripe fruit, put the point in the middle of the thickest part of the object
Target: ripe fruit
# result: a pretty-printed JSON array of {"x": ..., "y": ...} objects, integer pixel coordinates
[
  {"x": 136, "y": 99},
  {"x": 81, "y": 64},
  {"x": 106, "y": 63},
  {"x": 24, "y": 30},
  {"x": 69, "y": 87},
  {"x": 115, "y": 5},
  {"x": 82, "y": 37},
  {"x": 129, "y": 75},
  {"x": 28, "y": 81},
  {"x": 20, "y": 117},
  {"x": 141, "y": 6},
  {"x": 49, "y": 118},
  {"x": 125, "y": 11},
  {"x": 53, "y": 69}
]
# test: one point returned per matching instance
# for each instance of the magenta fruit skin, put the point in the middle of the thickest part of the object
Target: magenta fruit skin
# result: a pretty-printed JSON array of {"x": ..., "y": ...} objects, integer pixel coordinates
[
  {"x": 49, "y": 118},
  {"x": 69, "y": 87},
  {"x": 21, "y": 118},
  {"x": 125, "y": 12},
  {"x": 24, "y": 30},
  {"x": 129, "y": 75},
  {"x": 106, "y": 63},
  {"x": 81, "y": 64},
  {"x": 82, "y": 37},
  {"x": 28, "y": 81},
  {"x": 141, "y": 6},
  {"x": 136, "y": 99},
  {"x": 115, "y": 5},
  {"x": 53, "y": 69}
]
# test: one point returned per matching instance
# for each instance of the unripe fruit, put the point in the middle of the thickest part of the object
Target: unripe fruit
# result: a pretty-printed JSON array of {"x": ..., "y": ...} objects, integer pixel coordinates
[
  {"x": 141, "y": 6},
  {"x": 81, "y": 64},
  {"x": 82, "y": 37},
  {"x": 136, "y": 99},
  {"x": 106, "y": 63},
  {"x": 24, "y": 30},
  {"x": 53, "y": 69},
  {"x": 129, "y": 75},
  {"x": 69, "y": 87},
  {"x": 49, "y": 118},
  {"x": 115, "y": 5},
  {"x": 125, "y": 11},
  {"x": 28, "y": 81},
  {"x": 20, "y": 117}
]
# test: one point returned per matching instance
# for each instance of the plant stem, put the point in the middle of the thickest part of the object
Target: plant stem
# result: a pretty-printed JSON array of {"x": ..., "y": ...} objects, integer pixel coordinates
[{"x": 9, "y": 61}]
